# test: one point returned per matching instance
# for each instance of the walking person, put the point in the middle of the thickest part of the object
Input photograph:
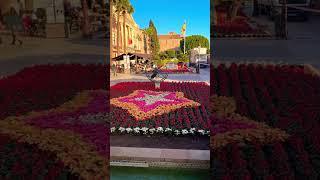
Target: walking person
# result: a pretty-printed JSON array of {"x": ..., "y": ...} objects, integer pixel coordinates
[
  {"x": 67, "y": 17},
  {"x": 14, "y": 23},
  {"x": 1, "y": 25},
  {"x": 114, "y": 69}
]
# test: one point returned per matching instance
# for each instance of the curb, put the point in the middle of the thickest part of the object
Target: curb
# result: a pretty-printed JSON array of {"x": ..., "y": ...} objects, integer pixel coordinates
[
  {"x": 244, "y": 36},
  {"x": 155, "y": 157}
]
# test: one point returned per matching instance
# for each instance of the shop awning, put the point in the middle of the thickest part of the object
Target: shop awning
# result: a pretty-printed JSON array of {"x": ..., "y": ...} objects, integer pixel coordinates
[{"x": 133, "y": 56}]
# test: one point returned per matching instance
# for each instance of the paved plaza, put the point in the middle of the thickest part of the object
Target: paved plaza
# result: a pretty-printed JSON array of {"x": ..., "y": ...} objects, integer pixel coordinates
[
  {"x": 301, "y": 47},
  {"x": 43, "y": 51}
]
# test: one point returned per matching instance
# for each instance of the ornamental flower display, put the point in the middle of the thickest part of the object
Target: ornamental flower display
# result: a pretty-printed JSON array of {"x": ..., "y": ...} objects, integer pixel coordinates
[
  {"x": 48, "y": 130},
  {"x": 239, "y": 26},
  {"x": 146, "y": 104},
  {"x": 264, "y": 121},
  {"x": 177, "y": 108}
]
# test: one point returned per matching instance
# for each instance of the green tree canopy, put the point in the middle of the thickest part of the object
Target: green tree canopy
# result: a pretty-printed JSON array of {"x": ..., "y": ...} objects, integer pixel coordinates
[
  {"x": 195, "y": 41},
  {"x": 154, "y": 41}
]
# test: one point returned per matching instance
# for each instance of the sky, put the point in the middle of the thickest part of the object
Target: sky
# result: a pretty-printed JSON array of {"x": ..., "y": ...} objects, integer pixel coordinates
[{"x": 169, "y": 15}]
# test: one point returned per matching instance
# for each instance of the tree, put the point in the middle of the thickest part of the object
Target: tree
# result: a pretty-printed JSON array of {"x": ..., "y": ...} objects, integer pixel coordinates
[
  {"x": 154, "y": 41},
  {"x": 195, "y": 41}
]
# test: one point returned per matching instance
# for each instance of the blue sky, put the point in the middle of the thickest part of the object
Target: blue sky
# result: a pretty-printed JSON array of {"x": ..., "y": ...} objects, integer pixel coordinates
[{"x": 169, "y": 15}]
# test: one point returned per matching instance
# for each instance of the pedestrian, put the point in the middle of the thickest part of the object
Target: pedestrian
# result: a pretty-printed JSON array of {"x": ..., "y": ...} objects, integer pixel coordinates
[
  {"x": 113, "y": 69},
  {"x": 14, "y": 22},
  {"x": 1, "y": 25},
  {"x": 67, "y": 17}
]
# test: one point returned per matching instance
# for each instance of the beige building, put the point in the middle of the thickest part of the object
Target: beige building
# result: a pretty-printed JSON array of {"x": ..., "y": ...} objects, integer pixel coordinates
[
  {"x": 170, "y": 41},
  {"x": 135, "y": 39}
]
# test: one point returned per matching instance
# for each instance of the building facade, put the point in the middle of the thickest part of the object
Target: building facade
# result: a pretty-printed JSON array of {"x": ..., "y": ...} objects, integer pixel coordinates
[
  {"x": 134, "y": 40},
  {"x": 170, "y": 41}
]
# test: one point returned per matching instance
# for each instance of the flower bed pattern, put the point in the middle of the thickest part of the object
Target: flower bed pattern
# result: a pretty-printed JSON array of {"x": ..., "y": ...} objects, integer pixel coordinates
[
  {"x": 190, "y": 117},
  {"x": 46, "y": 86},
  {"x": 76, "y": 132},
  {"x": 274, "y": 95},
  {"x": 68, "y": 142},
  {"x": 239, "y": 27},
  {"x": 147, "y": 104}
]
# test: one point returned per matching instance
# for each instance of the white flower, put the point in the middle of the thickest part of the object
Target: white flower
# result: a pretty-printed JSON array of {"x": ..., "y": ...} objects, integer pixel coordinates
[
  {"x": 176, "y": 132},
  {"x": 201, "y": 132},
  {"x": 168, "y": 129},
  {"x": 128, "y": 130},
  {"x": 136, "y": 130},
  {"x": 145, "y": 130},
  {"x": 192, "y": 130},
  {"x": 152, "y": 130},
  {"x": 184, "y": 131},
  {"x": 113, "y": 129},
  {"x": 121, "y": 129},
  {"x": 160, "y": 129}
]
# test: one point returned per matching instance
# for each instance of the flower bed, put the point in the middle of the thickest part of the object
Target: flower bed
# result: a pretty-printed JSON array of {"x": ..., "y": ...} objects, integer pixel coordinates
[
  {"x": 27, "y": 161},
  {"x": 174, "y": 109},
  {"x": 272, "y": 98},
  {"x": 239, "y": 27},
  {"x": 176, "y": 71},
  {"x": 71, "y": 140},
  {"x": 46, "y": 86}
]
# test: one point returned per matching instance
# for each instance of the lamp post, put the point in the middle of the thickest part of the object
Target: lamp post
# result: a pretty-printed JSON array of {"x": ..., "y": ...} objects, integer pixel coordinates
[{"x": 198, "y": 60}]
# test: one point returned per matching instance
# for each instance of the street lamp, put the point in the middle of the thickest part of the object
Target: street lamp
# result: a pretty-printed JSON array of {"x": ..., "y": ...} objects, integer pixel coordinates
[{"x": 198, "y": 60}]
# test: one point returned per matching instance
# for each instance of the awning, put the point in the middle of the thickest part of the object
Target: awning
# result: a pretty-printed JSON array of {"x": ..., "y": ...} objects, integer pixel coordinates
[{"x": 133, "y": 56}]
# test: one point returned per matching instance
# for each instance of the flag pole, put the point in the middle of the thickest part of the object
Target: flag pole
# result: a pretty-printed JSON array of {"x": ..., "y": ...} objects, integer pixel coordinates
[{"x": 184, "y": 36}]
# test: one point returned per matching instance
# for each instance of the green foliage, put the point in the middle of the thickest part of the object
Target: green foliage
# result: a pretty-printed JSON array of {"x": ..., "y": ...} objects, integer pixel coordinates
[
  {"x": 163, "y": 55},
  {"x": 163, "y": 62},
  {"x": 123, "y": 6},
  {"x": 195, "y": 41},
  {"x": 154, "y": 41},
  {"x": 183, "y": 57},
  {"x": 171, "y": 53}
]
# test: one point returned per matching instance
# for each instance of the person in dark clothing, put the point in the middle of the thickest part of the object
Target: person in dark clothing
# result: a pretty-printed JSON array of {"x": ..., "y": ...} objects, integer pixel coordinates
[
  {"x": 13, "y": 21},
  {"x": 67, "y": 17},
  {"x": 1, "y": 24}
]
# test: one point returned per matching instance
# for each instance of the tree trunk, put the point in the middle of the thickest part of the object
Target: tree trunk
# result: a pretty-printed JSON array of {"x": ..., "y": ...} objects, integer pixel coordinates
[
  {"x": 118, "y": 33},
  {"x": 86, "y": 26},
  {"x": 124, "y": 33}
]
